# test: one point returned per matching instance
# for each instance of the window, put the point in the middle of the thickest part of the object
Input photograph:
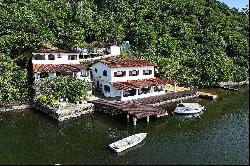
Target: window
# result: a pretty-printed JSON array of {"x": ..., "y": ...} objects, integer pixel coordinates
[
  {"x": 58, "y": 74},
  {"x": 44, "y": 75},
  {"x": 134, "y": 73},
  {"x": 120, "y": 73},
  {"x": 80, "y": 56},
  {"x": 84, "y": 73},
  {"x": 106, "y": 88},
  {"x": 51, "y": 57},
  {"x": 158, "y": 89},
  {"x": 39, "y": 57},
  {"x": 131, "y": 92},
  {"x": 144, "y": 91},
  {"x": 96, "y": 70},
  {"x": 105, "y": 73},
  {"x": 59, "y": 56},
  {"x": 72, "y": 57},
  {"x": 147, "y": 72}
]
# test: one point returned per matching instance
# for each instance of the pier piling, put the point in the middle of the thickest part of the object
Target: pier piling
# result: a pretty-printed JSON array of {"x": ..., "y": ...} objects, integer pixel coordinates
[{"x": 134, "y": 121}]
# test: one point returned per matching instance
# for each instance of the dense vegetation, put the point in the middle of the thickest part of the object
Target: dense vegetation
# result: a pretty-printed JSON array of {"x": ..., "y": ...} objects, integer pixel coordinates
[
  {"x": 50, "y": 90},
  {"x": 13, "y": 82},
  {"x": 198, "y": 41}
]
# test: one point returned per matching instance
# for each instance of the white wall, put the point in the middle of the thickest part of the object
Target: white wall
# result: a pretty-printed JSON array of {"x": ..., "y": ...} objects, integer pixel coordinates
[
  {"x": 113, "y": 91},
  {"x": 110, "y": 72},
  {"x": 100, "y": 68},
  {"x": 143, "y": 95},
  {"x": 127, "y": 77},
  {"x": 63, "y": 60},
  {"x": 115, "y": 50}
]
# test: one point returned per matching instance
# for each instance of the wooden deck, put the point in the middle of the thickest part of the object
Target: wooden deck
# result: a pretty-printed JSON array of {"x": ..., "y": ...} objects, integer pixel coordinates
[
  {"x": 140, "y": 108},
  {"x": 133, "y": 108}
]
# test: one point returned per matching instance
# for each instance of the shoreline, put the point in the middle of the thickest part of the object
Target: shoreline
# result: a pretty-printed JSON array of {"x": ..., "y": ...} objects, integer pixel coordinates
[{"x": 14, "y": 107}]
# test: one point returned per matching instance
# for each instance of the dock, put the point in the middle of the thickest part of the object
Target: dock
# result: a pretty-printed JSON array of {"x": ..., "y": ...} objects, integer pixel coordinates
[
  {"x": 139, "y": 108},
  {"x": 130, "y": 108}
]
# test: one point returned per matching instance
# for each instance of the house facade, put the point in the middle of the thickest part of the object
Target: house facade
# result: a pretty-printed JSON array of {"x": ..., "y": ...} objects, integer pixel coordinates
[
  {"x": 49, "y": 62},
  {"x": 127, "y": 79},
  {"x": 62, "y": 56}
]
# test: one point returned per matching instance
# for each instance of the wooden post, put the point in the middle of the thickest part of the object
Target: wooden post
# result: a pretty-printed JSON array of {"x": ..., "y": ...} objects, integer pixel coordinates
[
  {"x": 134, "y": 121},
  {"x": 148, "y": 119}
]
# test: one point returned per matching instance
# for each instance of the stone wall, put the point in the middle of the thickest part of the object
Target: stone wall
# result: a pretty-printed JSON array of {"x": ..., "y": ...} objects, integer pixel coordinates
[
  {"x": 65, "y": 113},
  {"x": 230, "y": 83},
  {"x": 15, "y": 107},
  {"x": 175, "y": 100}
]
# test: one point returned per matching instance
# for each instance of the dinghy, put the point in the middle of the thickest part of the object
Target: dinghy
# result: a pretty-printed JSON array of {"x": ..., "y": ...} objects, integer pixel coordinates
[{"x": 128, "y": 142}]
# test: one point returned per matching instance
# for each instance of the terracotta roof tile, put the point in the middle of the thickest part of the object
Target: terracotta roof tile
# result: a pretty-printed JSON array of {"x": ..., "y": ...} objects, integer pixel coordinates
[
  {"x": 50, "y": 50},
  {"x": 58, "y": 67},
  {"x": 114, "y": 63},
  {"x": 142, "y": 83}
]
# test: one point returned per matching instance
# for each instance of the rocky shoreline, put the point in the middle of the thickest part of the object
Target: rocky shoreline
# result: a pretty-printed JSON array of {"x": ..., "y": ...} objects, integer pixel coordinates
[
  {"x": 65, "y": 113},
  {"x": 231, "y": 83}
]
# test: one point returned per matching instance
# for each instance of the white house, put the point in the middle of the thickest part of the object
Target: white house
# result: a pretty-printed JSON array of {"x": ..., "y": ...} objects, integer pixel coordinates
[
  {"x": 127, "y": 79},
  {"x": 49, "y": 62}
]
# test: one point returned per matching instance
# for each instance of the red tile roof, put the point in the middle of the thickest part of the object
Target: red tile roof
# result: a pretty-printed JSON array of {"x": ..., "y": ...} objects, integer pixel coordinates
[
  {"x": 114, "y": 63},
  {"x": 52, "y": 50},
  {"x": 58, "y": 67},
  {"x": 142, "y": 83}
]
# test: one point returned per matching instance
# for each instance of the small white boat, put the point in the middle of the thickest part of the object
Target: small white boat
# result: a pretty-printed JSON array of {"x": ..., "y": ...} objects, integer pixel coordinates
[
  {"x": 128, "y": 142},
  {"x": 188, "y": 108}
]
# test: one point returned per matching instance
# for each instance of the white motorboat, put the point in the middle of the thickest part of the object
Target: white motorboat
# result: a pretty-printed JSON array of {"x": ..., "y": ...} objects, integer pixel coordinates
[
  {"x": 127, "y": 142},
  {"x": 188, "y": 108}
]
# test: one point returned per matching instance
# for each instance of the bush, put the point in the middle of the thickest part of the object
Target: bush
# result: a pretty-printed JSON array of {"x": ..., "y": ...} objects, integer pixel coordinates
[
  {"x": 63, "y": 87},
  {"x": 13, "y": 81}
]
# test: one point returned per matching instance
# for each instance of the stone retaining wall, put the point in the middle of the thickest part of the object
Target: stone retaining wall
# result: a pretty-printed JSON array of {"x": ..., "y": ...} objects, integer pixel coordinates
[
  {"x": 231, "y": 83},
  {"x": 64, "y": 114},
  {"x": 174, "y": 100},
  {"x": 15, "y": 107}
]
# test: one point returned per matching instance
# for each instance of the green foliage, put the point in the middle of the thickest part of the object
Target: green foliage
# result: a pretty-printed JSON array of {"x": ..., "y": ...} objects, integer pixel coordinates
[
  {"x": 63, "y": 87},
  {"x": 42, "y": 99},
  {"x": 13, "y": 81},
  {"x": 196, "y": 41}
]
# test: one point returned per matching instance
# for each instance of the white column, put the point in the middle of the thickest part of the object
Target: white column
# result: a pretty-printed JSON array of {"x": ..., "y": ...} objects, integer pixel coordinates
[
  {"x": 137, "y": 92},
  {"x": 174, "y": 86},
  {"x": 134, "y": 120},
  {"x": 128, "y": 117},
  {"x": 147, "y": 118},
  {"x": 121, "y": 95},
  {"x": 151, "y": 89}
]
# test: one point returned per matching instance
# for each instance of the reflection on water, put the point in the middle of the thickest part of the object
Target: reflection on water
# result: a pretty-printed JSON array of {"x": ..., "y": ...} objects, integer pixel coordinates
[
  {"x": 219, "y": 135},
  {"x": 188, "y": 117}
]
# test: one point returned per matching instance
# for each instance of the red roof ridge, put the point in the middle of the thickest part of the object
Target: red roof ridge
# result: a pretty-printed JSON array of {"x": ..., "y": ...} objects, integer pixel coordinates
[
  {"x": 129, "y": 84},
  {"x": 45, "y": 49},
  {"x": 126, "y": 62},
  {"x": 58, "y": 67}
]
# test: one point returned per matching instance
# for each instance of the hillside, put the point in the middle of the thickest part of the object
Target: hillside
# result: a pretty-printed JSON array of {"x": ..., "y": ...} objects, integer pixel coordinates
[{"x": 198, "y": 41}]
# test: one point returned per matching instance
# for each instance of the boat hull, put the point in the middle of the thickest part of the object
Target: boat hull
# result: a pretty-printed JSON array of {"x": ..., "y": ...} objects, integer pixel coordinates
[
  {"x": 188, "y": 110},
  {"x": 139, "y": 136}
]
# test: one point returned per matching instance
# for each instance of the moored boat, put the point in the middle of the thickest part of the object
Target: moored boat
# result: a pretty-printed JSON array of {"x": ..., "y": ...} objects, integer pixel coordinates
[
  {"x": 188, "y": 108},
  {"x": 127, "y": 142}
]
